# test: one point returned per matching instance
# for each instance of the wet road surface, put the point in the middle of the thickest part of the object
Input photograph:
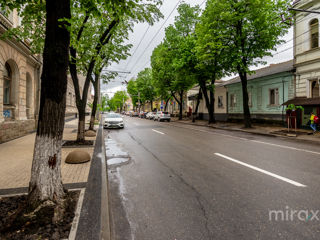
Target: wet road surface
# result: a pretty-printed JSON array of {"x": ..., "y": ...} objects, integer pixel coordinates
[{"x": 182, "y": 182}]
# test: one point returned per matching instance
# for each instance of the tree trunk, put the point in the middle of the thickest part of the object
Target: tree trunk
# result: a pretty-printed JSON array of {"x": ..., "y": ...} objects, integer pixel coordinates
[
  {"x": 166, "y": 106},
  {"x": 81, "y": 123},
  {"x": 151, "y": 105},
  {"x": 194, "y": 115},
  {"x": 211, "y": 106},
  {"x": 95, "y": 102},
  {"x": 209, "y": 101},
  {"x": 179, "y": 102},
  {"x": 46, "y": 183},
  {"x": 246, "y": 110},
  {"x": 181, "y": 105},
  {"x": 205, "y": 94}
]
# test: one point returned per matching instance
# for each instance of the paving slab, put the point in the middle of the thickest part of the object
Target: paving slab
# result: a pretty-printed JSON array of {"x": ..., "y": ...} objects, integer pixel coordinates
[{"x": 16, "y": 160}]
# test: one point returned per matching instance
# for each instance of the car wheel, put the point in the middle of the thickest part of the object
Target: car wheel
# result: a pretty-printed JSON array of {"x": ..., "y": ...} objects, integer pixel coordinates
[{"x": 168, "y": 120}]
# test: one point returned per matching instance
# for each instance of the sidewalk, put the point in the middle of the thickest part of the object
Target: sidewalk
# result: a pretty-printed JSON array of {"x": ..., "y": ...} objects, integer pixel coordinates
[
  {"x": 16, "y": 160},
  {"x": 260, "y": 129}
]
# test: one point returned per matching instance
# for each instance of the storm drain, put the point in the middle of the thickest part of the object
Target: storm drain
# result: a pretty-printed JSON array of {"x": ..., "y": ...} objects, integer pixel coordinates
[{"x": 115, "y": 155}]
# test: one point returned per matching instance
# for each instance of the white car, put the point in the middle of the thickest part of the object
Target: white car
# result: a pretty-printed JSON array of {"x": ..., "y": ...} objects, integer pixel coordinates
[
  {"x": 150, "y": 115},
  {"x": 113, "y": 120},
  {"x": 162, "y": 116}
]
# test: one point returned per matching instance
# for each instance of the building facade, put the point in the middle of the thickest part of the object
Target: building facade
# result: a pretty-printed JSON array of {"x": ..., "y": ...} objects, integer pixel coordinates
[
  {"x": 19, "y": 83},
  {"x": 220, "y": 103},
  {"x": 268, "y": 88},
  {"x": 307, "y": 58},
  {"x": 20, "y": 73}
]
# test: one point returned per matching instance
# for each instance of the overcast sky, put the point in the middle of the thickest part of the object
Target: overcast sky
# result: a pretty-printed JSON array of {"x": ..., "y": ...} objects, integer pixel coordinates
[{"x": 151, "y": 36}]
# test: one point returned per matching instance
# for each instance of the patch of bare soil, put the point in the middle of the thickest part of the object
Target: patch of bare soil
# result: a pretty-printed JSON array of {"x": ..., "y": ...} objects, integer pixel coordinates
[
  {"x": 70, "y": 143},
  {"x": 39, "y": 226}
]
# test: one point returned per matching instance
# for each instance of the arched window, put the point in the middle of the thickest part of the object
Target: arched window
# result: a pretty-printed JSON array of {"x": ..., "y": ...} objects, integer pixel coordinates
[
  {"x": 314, "y": 30},
  {"x": 7, "y": 84}
]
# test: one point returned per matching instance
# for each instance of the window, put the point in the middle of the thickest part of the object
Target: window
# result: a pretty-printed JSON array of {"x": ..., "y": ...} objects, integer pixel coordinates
[
  {"x": 233, "y": 100},
  {"x": 220, "y": 101},
  {"x": 7, "y": 84},
  {"x": 314, "y": 30},
  {"x": 250, "y": 99},
  {"x": 314, "y": 89},
  {"x": 274, "y": 96}
]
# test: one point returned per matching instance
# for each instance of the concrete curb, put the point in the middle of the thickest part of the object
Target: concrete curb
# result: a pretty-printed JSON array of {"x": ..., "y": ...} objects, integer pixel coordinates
[
  {"x": 94, "y": 216},
  {"x": 255, "y": 133}
]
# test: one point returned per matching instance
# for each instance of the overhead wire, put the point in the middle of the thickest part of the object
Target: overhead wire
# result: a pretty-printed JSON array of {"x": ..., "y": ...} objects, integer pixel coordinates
[
  {"x": 131, "y": 57},
  {"x": 156, "y": 33}
]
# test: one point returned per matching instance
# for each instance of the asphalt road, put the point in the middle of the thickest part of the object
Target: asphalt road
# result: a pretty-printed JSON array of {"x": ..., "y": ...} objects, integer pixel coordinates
[{"x": 191, "y": 183}]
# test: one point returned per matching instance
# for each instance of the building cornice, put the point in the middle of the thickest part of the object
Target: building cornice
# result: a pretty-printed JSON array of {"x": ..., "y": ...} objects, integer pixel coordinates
[
  {"x": 21, "y": 47},
  {"x": 302, "y": 4},
  {"x": 304, "y": 63},
  {"x": 308, "y": 71},
  {"x": 5, "y": 21}
]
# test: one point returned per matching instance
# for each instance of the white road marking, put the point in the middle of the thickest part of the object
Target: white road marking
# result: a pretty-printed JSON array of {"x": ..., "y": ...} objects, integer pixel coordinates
[
  {"x": 287, "y": 147},
  {"x": 262, "y": 171},
  {"x": 158, "y": 131},
  {"x": 255, "y": 141}
]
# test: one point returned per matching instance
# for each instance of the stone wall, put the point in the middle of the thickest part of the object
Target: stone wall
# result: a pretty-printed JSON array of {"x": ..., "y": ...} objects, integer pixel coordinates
[{"x": 15, "y": 129}]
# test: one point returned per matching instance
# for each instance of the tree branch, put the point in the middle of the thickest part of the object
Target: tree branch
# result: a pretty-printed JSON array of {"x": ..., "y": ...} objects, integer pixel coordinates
[{"x": 82, "y": 26}]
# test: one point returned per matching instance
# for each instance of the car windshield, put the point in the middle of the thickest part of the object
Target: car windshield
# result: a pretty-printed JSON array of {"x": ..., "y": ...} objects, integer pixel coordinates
[{"x": 113, "y": 116}]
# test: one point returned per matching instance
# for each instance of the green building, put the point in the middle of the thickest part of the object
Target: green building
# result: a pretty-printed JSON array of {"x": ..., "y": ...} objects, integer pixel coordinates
[{"x": 268, "y": 89}]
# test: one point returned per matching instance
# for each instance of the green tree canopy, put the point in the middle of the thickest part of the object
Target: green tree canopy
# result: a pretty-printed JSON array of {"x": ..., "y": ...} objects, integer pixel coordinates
[
  {"x": 251, "y": 30},
  {"x": 133, "y": 91},
  {"x": 145, "y": 86}
]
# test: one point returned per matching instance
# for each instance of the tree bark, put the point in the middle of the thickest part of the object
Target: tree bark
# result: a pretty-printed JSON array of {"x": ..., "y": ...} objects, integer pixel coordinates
[
  {"x": 211, "y": 105},
  {"x": 181, "y": 105},
  {"x": 246, "y": 110},
  {"x": 179, "y": 102},
  {"x": 151, "y": 105},
  {"x": 194, "y": 115},
  {"x": 81, "y": 122},
  {"x": 166, "y": 106},
  {"x": 46, "y": 183},
  {"x": 209, "y": 101},
  {"x": 95, "y": 101}
]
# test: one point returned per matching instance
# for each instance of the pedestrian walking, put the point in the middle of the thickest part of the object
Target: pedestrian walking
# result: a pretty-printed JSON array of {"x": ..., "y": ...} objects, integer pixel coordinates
[{"x": 313, "y": 125}]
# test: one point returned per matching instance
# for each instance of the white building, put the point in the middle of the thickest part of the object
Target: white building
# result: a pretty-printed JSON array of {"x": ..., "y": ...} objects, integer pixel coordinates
[{"x": 307, "y": 57}]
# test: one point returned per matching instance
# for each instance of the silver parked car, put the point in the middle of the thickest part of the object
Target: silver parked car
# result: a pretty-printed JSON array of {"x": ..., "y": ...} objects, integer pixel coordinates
[
  {"x": 150, "y": 115},
  {"x": 162, "y": 116},
  {"x": 113, "y": 120}
]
